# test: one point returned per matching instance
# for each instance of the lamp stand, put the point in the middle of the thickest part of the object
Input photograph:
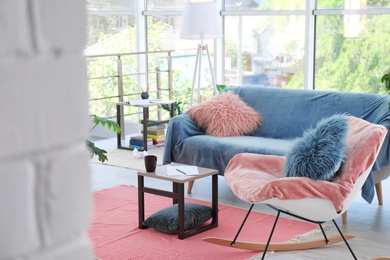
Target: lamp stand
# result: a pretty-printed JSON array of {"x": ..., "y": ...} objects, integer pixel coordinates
[{"x": 198, "y": 71}]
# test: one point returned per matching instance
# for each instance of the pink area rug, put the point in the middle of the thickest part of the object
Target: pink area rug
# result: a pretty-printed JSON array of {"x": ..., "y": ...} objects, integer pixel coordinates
[{"x": 115, "y": 234}]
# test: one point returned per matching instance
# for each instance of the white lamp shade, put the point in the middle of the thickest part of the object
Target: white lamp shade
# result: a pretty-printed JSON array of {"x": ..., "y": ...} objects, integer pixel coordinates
[{"x": 200, "y": 21}]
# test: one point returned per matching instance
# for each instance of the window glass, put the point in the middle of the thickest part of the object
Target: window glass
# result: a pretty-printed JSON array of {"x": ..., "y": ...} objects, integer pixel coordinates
[
  {"x": 160, "y": 5},
  {"x": 109, "y": 4},
  {"x": 352, "y": 4},
  {"x": 164, "y": 34},
  {"x": 265, "y": 50},
  {"x": 265, "y": 4},
  {"x": 108, "y": 19},
  {"x": 352, "y": 52},
  {"x": 111, "y": 29}
]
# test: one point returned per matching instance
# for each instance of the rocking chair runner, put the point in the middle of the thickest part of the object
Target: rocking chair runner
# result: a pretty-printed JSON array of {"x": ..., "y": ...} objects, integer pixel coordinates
[{"x": 260, "y": 179}]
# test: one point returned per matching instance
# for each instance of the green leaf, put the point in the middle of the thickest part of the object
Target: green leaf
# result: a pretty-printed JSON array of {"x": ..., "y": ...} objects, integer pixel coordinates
[
  {"x": 101, "y": 153},
  {"x": 385, "y": 77},
  {"x": 104, "y": 121},
  {"x": 177, "y": 107},
  {"x": 220, "y": 87}
]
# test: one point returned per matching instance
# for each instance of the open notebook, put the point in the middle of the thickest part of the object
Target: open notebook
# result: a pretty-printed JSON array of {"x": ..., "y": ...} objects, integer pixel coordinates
[{"x": 173, "y": 170}]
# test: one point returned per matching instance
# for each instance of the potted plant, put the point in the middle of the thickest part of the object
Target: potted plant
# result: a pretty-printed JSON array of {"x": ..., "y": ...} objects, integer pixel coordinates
[
  {"x": 386, "y": 80},
  {"x": 101, "y": 153},
  {"x": 182, "y": 99}
]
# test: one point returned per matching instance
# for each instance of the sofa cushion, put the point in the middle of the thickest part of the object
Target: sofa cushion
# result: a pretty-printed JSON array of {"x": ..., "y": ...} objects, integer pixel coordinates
[
  {"x": 319, "y": 152},
  {"x": 192, "y": 150},
  {"x": 225, "y": 115},
  {"x": 166, "y": 220}
]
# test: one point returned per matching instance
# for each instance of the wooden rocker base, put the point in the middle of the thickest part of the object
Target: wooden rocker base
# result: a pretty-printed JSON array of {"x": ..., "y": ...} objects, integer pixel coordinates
[{"x": 288, "y": 246}]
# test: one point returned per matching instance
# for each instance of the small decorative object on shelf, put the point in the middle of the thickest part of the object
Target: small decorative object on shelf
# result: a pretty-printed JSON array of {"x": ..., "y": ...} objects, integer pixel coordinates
[{"x": 144, "y": 94}]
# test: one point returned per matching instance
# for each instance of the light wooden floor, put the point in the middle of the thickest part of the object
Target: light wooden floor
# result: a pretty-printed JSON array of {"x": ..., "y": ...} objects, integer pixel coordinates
[{"x": 369, "y": 222}]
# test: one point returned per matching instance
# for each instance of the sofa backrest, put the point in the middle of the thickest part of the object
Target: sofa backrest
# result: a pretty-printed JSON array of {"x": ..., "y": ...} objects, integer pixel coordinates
[{"x": 287, "y": 113}]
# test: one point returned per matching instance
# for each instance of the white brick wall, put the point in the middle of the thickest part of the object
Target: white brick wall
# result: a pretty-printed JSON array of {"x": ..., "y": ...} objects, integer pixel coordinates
[{"x": 45, "y": 192}]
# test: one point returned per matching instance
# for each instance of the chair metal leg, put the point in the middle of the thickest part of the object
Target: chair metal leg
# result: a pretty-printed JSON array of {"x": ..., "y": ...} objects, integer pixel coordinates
[
  {"x": 239, "y": 230},
  {"x": 270, "y": 235},
  {"x": 341, "y": 233},
  {"x": 323, "y": 233}
]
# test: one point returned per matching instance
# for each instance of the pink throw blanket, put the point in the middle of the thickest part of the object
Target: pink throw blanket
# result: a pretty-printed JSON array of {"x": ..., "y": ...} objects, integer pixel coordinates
[{"x": 256, "y": 177}]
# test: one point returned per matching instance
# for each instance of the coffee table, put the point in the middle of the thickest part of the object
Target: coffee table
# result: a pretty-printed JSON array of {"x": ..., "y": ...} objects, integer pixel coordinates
[{"x": 177, "y": 194}]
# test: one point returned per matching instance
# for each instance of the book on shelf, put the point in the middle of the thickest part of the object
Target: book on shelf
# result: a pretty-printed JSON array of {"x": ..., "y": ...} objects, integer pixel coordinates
[
  {"x": 157, "y": 137},
  {"x": 155, "y": 130},
  {"x": 158, "y": 142},
  {"x": 162, "y": 132},
  {"x": 139, "y": 140},
  {"x": 155, "y": 127},
  {"x": 158, "y": 126},
  {"x": 140, "y": 143},
  {"x": 136, "y": 147},
  {"x": 136, "y": 102},
  {"x": 161, "y": 101}
]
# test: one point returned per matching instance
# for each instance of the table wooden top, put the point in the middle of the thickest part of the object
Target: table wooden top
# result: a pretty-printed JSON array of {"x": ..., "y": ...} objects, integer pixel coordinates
[
  {"x": 146, "y": 102},
  {"x": 161, "y": 173}
]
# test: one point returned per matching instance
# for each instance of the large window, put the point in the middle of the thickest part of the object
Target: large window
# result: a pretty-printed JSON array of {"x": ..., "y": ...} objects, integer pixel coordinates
[
  {"x": 163, "y": 31},
  {"x": 265, "y": 43},
  {"x": 108, "y": 21},
  {"x": 265, "y": 50},
  {"x": 307, "y": 44},
  {"x": 352, "y": 50}
]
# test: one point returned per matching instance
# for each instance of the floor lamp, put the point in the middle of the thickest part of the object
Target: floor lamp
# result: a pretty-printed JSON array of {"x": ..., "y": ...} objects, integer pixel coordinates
[{"x": 201, "y": 21}]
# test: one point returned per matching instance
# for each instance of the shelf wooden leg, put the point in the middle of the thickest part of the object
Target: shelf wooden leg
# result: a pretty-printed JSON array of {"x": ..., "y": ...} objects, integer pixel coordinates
[{"x": 190, "y": 184}]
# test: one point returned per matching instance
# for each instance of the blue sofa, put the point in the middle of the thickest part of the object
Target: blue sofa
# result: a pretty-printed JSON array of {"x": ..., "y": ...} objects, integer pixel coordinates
[{"x": 286, "y": 114}]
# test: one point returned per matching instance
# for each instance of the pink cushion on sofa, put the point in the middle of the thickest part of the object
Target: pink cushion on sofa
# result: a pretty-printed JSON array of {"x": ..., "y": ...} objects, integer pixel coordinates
[{"x": 225, "y": 115}]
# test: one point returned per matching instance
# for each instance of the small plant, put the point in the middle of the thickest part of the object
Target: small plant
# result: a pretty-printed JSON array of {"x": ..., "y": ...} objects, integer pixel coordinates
[
  {"x": 101, "y": 153},
  {"x": 220, "y": 87},
  {"x": 386, "y": 80},
  {"x": 182, "y": 99}
]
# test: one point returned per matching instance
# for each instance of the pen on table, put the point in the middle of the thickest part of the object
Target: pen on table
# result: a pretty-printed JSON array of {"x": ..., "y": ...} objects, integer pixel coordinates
[{"x": 181, "y": 171}]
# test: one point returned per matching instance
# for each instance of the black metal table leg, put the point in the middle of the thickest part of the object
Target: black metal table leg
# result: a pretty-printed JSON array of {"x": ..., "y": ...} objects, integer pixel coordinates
[
  {"x": 175, "y": 190},
  {"x": 214, "y": 222},
  {"x": 215, "y": 200},
  {"x": 180, "y": 209},
  {"x": 118, "y": 120},
  {"x": 145, "y": 126},
  {"x": 141, "y": 201}
]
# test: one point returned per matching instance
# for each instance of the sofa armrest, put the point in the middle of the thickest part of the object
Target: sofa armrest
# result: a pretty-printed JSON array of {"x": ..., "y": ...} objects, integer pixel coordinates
[{"x": 180, "y": 128}]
